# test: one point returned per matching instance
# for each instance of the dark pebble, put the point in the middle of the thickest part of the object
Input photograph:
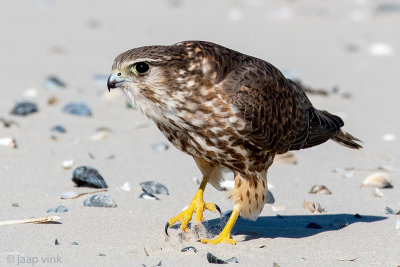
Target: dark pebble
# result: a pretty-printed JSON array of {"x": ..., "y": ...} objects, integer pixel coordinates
[
  {"x": 56, "y": 242},
  {"x": 358, "y": 216},
  {"x": 313, "y": 225},
  {"x": 389, "y": 210},
  {"x": 58, "y": 129},
  {"x": 189, "y": 248},
  {"x": 100, "y": 201},
  {"x": 152, "y": 187},
  {"x": 24, "y": 108},
  {"x": 74, "y": 243},
  {"x": 57, "y": 209},
  {"x": 87, "y": 176},
  {"x": 77, "y": 108},
  {"x": 102, "y": 255},
  {"x": 212, "y": 259}
]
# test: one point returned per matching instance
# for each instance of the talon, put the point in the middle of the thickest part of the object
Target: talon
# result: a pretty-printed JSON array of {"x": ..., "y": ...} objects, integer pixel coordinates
[
  {"x": 166, "y": 228},
  {"x": 219, "y": 210}
]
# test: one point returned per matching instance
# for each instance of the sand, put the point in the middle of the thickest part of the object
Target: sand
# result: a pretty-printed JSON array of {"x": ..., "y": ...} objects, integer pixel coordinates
[{"x": 326, "y": 45}]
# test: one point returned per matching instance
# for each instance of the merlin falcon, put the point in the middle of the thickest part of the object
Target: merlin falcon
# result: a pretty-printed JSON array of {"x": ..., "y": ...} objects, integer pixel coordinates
[{"x": 227, "y": 110}]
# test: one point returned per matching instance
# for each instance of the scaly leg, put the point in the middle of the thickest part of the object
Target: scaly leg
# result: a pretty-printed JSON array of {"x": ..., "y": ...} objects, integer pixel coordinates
[
  {"x": 197, "y": 205},
  {"x": 225, "y": 235}
]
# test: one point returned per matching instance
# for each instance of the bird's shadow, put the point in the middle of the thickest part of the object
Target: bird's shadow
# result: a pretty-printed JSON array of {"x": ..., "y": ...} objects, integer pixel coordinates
[{"x": 292, "y": 226}]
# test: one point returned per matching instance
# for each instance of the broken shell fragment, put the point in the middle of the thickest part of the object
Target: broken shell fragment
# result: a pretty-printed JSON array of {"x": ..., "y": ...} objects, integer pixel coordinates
[
  {"x": 313, "y": 207},
  {"x": 57, "y": 209},
  {"x": 77, "y": 108},
  {"x": 377, "y": 180},
  {"x": 146, "y": 195},
  {"x": 24, "y": 108},
  {"x": 67, "y": 164},
  {"x": 189, "y": 248},
  {"x": 213, "y": 259},
  {"x": 153, "y": 187},
  {"x": 270, "y": 198},
  {"x": 126, "y": 187},
  {"x": 320, "y": 189},
  {"x": 87, "y": 176},
  {"x": 100, "y": 201},
  {"x": 68, "y": 195},
  {"x": 8, "y": 141}
]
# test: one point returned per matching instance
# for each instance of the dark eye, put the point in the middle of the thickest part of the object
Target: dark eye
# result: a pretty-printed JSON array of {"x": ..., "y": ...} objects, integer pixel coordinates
[{"x": 141, "y": 67}]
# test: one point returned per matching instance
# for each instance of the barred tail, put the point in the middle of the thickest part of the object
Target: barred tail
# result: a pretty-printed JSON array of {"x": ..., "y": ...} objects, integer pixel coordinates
[{"x": 347, "y": 140}]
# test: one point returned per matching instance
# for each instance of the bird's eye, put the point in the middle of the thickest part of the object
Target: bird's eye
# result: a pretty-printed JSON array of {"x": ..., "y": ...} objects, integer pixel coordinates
[{"x": 140, "y": 68}]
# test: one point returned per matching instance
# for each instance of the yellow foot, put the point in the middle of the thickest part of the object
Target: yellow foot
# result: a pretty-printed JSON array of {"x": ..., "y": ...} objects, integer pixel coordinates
[
  {"x": 225, "y": 235},
  {"x": 197, "y": 205},
  {"x": 222, "y": 238}
]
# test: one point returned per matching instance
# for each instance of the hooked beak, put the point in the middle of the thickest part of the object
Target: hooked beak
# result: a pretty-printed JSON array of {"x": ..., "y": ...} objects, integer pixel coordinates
[{"x": 115, "y": 80}]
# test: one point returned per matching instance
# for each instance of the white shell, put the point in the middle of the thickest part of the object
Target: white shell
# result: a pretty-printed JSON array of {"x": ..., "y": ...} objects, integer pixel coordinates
[
  {"x": 67, "y": 164},
  {"x": 8, "y": 141},
  {"x": 389, "y": 137},
  {"x": 126, "y": 187},
  {"x": 377, "y": 180},
  {"x": 381, "y": 49}
]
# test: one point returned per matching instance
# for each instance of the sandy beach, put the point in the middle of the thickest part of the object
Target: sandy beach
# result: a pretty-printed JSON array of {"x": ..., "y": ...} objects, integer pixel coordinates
[{"x": 54, "y": 52}]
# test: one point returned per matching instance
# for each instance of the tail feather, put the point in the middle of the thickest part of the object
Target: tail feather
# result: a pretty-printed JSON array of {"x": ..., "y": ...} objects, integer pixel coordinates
[{"x": 347, "y": 140}]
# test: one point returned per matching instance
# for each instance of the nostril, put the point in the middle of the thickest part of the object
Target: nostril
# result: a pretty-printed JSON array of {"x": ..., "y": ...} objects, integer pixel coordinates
[{"x": 119, "y": 74}]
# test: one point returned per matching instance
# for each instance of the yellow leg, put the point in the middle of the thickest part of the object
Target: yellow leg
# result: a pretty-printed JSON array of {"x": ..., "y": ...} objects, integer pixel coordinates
[
  {"x": 225, "y": 235},
  {"x": 197, "y": 205}
]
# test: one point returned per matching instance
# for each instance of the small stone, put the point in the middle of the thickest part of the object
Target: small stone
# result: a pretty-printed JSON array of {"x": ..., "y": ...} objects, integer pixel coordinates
[
  {"x": 15, "y": 204},
  {"x": 320, "y": 189},
  {"x": 31, "y": 93},
  {"x": 53, "y": 82},
  {"x": 24, "y": 108},
  {"x": 57, "y": 209},
  {"x": 58, "y": 129},
  {"x": 74, "y": 244},
  {"x": 233, "y": 259},
  {"x": 87, "y": 176},
  {"x": 270, "y": 198},
  {"x": 381, "y": 49},
  {"x": 126, "y": 187},
  {"x": 100, "y": 201},
  {"x": 389, "y": 137},
  {"x": 67, "y": 164},
  {"x": 56, "y": 242},
  {"x": 146, "y": 195},
  {"x": 159, "y": 146},
  {"x": 8, "y": 141},
  {"x": 378, "y": 192},
  {"x": 52, "y": 101},
  {"x": 357, "y": 216},
  {"x": 213, "y": 259},
  {"x": 389, "y": 210},
  {"x": 102, "y": 255},
  {"x": 77, "y": 108}
]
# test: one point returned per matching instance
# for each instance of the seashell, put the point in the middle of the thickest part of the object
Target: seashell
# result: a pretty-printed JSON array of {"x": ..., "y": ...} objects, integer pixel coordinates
[
  {"x": 189, "y": 248},
  {"x": 389, "y": 210},
  {"x": 24, "y": 108},
  {"x": 56, "y": 242},
  {"x": 278, "y": 208},
  {"x": 74, "y": 244},
  {"x": 270, "y": 198},
  {"x": 378, "y": 192},
  {"x": 153, "y": 187},
  {"x": 77, "y": 108},
  {"x": 57, "y": 209},
  {"x": 8, "y": 123},
  {"x": 320, "y": 189},
  {"x": 381, "y": 49},
  {"x": 52, "y": 100},
  {"x": 67, "y": 164},
  {"x": 31, "y": 93},
  {"x": 213, "y": 259},
  {"x": 288, "y": 157},
  {"x": 69, "y": 194},
  {"x": 397, "y": 226},
  {"x": 275, "y": 265},
  {"x": 339, "y": 223},
  {"x": 8, "y": 141},
  {"x": 159, "y": 146},
  {"x": 58, "y": 129},
  {"x": 126, "y": 187},
  {"x": 53, "y": 82},
  {"x": 377, "y": 180},
  {"x": 233, "y": 259},
  {"x": 146, "y": 195},
  {"x": 313, "y": 207},
  {"x": 100, "y": 201},
  {"x": 389, "y": 137},
  {"x": 87, "y": 176},
  {"x": 313, "y": 225},
  {"x": 100, "y": 136}
]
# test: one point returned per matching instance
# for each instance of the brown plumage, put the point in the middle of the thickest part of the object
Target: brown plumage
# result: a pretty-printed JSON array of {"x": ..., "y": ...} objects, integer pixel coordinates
[{"x": 226, "y": 109}]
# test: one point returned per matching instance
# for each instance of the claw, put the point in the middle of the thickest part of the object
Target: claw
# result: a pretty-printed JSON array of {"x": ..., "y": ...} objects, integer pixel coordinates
[
  {"x": 166, "y": 228},
  {"x": 219, "y": 210}
]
